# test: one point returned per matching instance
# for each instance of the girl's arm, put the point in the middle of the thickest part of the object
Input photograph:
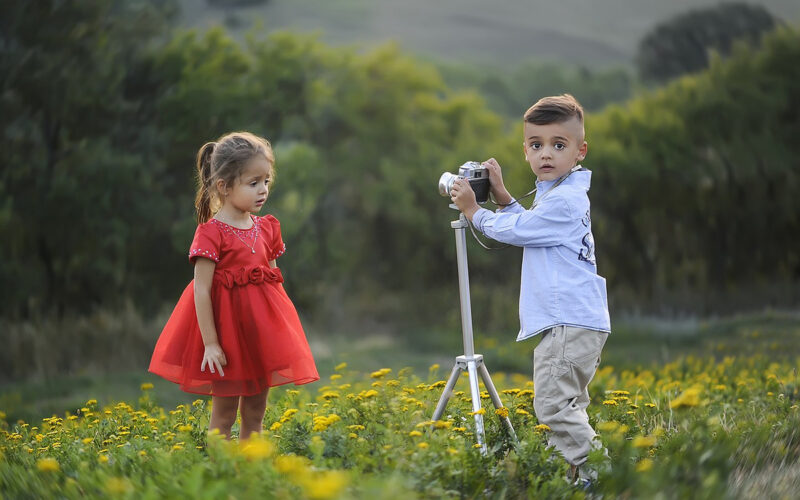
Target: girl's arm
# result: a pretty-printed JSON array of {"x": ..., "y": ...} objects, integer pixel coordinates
[
  {"x": 213, "y": 355},
  {"x": 272, "y": 263}
]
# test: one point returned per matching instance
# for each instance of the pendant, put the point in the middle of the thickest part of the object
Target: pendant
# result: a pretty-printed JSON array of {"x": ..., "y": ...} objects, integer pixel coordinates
[{"x": 254, "y": 250}]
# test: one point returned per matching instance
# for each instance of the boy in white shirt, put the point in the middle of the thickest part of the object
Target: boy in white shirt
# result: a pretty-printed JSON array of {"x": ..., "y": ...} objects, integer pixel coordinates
[{"x": 561, "y": 295}]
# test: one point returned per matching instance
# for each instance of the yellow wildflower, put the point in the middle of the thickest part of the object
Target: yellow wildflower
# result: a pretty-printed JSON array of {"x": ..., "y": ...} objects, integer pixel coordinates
[
  {"x": 380, "y": 373},
  {"x": 340, "y": 367},
  {"x": 644, "y": 441},
  {"x": 146, "y": 386},
  {"x": 644, "y": 465},
  {"x": 502, "y": 412},
  {"x": 48, "y": 464},
  {"x": 414, "y": 433},
  {"x": 481, "y": 411},
  {"x": 118, "y": 486},
  {"x": 542, "y": 428},
  {"x": 689, "y": 397},
  {"x": 422, "y": 445},
  {"x": 256, "y": 448},
  {"x": 291, "y": 464},
  {"x": 325, "y": 484}
]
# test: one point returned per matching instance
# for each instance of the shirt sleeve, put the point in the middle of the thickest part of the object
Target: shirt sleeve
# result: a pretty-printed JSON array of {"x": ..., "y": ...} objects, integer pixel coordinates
[
  {"x": 206, "y": 243},
  {"x": 547, "y": 225},
  {"x": 512, "y": 208},
  {"x": 276, "y": 245}
]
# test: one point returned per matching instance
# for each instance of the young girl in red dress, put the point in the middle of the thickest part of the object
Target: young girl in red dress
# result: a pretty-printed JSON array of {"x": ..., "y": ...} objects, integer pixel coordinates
[{"x": 234, "y": 332}]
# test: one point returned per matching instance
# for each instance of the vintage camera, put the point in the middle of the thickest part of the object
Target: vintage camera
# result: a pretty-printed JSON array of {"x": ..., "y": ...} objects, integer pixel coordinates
[{"x": 475, "y": 173}]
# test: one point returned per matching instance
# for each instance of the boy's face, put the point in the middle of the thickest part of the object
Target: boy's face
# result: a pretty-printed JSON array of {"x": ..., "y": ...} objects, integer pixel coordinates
[{"x": 553, "y": 149}]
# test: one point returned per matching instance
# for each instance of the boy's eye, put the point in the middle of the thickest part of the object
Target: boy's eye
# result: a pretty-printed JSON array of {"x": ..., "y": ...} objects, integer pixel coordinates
[{"x": 560, "y": 146}]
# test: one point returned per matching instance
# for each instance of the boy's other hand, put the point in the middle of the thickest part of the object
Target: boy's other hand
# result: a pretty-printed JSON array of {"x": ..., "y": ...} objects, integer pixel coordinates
[
  {"x": 498, "y": 189},
  {"x": 464, "y": 198}
]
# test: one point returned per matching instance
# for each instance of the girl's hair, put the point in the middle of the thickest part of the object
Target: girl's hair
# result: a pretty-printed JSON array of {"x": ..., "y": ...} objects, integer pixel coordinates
[{"x": 225, "y": 159}]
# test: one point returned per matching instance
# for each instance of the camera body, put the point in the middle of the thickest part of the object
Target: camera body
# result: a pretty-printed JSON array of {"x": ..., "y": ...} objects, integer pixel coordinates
[{"x": 476, "y": 174}]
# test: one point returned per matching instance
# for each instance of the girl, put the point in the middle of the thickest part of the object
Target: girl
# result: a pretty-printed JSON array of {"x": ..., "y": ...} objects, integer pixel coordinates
[{"x": 234, "y": 332}]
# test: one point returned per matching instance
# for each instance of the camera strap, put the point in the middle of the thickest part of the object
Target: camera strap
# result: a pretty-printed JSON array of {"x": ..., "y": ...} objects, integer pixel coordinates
[
  {"x": 516, "y": 200},
  {"x": 538, "y": 200}
]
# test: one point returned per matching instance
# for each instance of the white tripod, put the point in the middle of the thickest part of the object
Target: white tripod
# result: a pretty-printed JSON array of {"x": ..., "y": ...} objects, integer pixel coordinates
[{"x": 470, "y": 362}]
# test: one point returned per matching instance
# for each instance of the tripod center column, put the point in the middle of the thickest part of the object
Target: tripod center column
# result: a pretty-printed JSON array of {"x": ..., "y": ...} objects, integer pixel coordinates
[{"x": 460, "y": 226}]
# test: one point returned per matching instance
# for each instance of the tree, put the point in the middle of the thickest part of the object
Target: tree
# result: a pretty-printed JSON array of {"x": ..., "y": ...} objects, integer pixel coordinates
[
  {"x": 684, "y": 43},
  {"x": 70, "y": 169}
]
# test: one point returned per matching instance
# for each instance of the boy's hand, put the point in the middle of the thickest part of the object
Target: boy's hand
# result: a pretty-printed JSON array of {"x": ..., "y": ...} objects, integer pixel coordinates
[
  {"x": 464, "y": 198},
  {"x": 213, "y": 356},
  {"x": 498, "y": 189}
]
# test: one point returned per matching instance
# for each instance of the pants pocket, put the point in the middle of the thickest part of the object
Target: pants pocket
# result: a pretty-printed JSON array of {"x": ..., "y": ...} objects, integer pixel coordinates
[{"x": 583, "y": 346}]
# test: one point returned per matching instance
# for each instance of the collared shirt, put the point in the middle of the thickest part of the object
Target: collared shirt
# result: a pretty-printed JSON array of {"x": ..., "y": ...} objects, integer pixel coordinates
[{"x": 560, "y": 284}]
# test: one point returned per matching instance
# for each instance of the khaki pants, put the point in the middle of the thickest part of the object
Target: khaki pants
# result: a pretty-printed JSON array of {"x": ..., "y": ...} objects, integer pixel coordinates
[{"x": 564, "y": 363}]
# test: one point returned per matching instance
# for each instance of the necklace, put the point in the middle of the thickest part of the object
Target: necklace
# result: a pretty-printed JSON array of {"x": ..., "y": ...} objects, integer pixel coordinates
[{"x": 235, "y": 233}]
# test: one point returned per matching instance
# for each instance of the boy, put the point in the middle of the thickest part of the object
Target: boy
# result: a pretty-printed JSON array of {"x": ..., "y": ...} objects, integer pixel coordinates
[{"x": 561, "y": 295}]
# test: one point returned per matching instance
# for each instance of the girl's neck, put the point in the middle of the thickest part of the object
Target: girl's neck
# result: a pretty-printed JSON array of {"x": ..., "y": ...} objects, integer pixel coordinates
[{"x": 235, "y": 218}]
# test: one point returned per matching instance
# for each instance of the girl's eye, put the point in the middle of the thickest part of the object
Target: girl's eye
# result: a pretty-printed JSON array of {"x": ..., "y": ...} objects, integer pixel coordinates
[
  {"x": 535, "y": 145},
  {"x": 253, "y": 184}
]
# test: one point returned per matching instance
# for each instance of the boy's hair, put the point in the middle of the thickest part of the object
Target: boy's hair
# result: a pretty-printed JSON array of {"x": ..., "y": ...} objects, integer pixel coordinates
[
  {"x": 224, "y": 159},
  {"x": 554, "y": 109}
]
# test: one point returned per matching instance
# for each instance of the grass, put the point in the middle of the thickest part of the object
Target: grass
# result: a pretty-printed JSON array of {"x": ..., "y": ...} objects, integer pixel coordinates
[
  {"x": 691, "y": 428},
  {"x": 633, "y": 343}
]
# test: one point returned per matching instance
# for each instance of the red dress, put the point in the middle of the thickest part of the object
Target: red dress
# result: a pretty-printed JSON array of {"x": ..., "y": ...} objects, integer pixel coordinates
[{"x": 257, "y": 324}]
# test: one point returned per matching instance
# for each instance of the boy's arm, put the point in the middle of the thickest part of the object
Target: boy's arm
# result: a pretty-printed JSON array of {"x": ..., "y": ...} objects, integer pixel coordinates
[{"x": 548, "y": 225}]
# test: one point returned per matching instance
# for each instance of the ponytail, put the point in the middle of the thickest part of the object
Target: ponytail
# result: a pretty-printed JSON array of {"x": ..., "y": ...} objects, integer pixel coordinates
[{"x": 202, "y": 201}]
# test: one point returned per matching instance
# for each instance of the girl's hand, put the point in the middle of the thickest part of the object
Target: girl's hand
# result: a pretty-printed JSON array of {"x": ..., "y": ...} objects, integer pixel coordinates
[
  {"x": 498, "y": 189},
  {"x": 213, "y": 356},
  {"x": 464, "y": 197}
]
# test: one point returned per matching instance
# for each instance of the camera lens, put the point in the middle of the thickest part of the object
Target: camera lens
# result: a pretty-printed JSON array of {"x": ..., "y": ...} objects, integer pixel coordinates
[{"x": 446, "y": 182}]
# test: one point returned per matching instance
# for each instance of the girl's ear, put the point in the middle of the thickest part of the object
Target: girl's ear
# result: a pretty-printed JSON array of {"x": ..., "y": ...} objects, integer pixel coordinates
[{"x": 222, "y": 188}]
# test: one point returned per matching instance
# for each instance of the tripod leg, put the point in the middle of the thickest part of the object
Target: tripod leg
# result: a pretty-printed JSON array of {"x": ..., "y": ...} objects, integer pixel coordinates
[
  {"x": 490, "y": 388},
  {"x": 448, "y": 391},
  {"x": 476, "y": 404}
]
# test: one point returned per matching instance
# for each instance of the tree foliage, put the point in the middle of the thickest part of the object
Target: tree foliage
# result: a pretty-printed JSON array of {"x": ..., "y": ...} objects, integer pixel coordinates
[
  {"x": 695, "y": 183},
  {"x": 684, "y": 43},
  {"x": 104, "y": 107}
]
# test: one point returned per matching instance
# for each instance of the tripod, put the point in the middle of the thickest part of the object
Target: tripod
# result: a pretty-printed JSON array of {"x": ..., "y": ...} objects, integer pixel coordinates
[{"x": 470, "y": 362}]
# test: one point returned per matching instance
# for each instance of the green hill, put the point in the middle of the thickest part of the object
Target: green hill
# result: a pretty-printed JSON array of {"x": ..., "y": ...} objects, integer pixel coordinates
[{"x": 501, "y": 32}]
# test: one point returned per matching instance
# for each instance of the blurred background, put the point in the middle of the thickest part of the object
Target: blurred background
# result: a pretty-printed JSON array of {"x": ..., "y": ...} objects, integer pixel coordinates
[{"x": 693, "y": 117}]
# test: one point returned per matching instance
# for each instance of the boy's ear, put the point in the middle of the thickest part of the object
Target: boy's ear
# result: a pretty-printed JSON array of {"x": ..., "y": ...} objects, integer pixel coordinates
[{"x": 582, "y": 151}]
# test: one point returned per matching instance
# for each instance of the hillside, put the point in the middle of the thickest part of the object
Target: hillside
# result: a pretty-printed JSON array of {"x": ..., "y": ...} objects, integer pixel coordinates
[{"x": 502, "y": 32}]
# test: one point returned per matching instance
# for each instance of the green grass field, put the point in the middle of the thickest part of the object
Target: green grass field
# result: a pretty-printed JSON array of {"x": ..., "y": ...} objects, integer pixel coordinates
[{"x": 707, "y": 411}]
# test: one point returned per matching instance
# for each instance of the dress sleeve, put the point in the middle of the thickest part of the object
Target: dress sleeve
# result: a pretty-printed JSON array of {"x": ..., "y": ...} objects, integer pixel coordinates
[
  {"x": 206, "y": 243},
  {"x": 276, "y": 245}
]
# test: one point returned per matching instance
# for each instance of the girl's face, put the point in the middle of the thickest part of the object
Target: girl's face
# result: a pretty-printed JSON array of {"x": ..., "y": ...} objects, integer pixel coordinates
[{"x": 249, "y": 192}]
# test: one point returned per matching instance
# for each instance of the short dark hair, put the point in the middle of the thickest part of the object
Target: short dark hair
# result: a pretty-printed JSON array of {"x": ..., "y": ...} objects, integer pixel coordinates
[{"x": 554, "y": 109}]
